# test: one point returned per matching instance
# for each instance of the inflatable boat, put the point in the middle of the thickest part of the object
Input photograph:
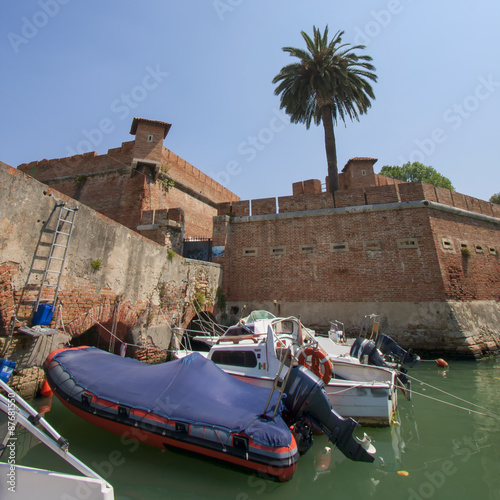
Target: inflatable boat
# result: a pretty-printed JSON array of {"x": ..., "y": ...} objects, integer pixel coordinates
[
  {"x": 189, "y": 404},
  {"x": 193, "y": 405}
]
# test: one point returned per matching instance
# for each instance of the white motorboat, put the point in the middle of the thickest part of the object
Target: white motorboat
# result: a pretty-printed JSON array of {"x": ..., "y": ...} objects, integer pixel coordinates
[
  {"x": 254, "y": 350},
  {"x": 29, "y": 482}
]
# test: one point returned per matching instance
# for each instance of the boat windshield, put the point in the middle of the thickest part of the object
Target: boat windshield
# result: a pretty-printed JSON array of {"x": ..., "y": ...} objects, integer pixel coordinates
[
  {"x": 289, "y": 327},
  {"x": 257, "y": 315}
]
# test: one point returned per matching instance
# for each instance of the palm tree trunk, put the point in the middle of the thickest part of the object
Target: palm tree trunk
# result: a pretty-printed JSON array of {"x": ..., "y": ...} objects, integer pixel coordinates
[{"x": 331, "y": 149}]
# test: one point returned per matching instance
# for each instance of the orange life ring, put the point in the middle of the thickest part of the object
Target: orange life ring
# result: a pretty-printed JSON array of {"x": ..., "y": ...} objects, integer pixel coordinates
[{"x": 320, "y": 365}]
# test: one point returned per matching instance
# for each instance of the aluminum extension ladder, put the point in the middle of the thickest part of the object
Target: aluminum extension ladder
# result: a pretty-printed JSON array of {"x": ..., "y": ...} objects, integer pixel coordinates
[
  {"x": 57, "y": 255},
  {"x": 54, "y": 260}
]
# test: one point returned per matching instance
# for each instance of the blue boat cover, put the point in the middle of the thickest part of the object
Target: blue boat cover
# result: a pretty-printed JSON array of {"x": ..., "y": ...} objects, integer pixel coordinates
[{"x": 192, "y": 389}]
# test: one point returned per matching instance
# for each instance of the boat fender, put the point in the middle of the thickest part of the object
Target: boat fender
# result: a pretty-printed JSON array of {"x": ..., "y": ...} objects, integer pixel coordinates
[
  {"x": 46, "y": 391},
  {"x": 323, "y": 459},
  {"x": 319, "y": 359}
]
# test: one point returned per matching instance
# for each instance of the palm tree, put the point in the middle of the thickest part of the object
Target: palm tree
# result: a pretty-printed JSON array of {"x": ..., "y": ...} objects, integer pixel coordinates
[{"x": 328, "y": 83}]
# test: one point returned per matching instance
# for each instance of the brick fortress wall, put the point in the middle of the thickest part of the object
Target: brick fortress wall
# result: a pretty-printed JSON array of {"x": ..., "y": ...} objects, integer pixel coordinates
[
  {"x": 392, "y": 249},
  {"x": 125, "y": 183}
]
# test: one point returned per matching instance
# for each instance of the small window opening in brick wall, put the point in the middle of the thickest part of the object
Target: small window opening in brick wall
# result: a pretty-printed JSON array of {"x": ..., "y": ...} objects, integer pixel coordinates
[
  {"x": 447, "y": 244},
  {"x": 307, "y": 248},
  {"x": 277, "y": 250},
  {"x": 339, "y": 247},
  {"x": 407, "y": 243},
  {"x": 249, "y": 252},
  {"x": 150, "y": 138},
  {"x": 363, "y": 172},
  {"x": 493, "y": 251},
  {"x": 479, "y": 248},
  {"x": 372, "y": 246}
]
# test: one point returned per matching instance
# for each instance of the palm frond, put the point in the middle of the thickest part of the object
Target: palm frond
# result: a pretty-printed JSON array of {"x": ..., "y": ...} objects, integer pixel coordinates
[{"x": 328, "y": 73}]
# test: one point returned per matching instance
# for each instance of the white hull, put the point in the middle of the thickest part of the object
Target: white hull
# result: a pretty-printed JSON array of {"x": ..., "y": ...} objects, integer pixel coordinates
[
  {"x": 252, "y": 353},
  {"x": 46, "y": 485},
  {"x": 28, "y": 482},
  {"x": 369, "y": 403}
]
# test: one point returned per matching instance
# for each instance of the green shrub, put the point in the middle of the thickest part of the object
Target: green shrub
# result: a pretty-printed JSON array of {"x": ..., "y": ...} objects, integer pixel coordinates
[
  {"x": 466, "y": 253},
  {"x": 96, "y": 264}
]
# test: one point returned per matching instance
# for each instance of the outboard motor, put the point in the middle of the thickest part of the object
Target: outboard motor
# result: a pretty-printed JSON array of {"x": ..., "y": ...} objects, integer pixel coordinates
[
  {"x": 389, "y": 347},
  {"x": 307, "y": 398},
  {"x": 376, "y": 355},
  {"x": 364, "y": 347}
]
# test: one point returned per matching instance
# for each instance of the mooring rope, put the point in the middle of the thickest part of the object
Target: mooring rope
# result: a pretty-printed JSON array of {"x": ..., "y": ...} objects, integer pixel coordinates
[
  {"x": 492, "y": 414},
  {"x": 352, "y": 387},
  {"x": 456, "y": 406}
]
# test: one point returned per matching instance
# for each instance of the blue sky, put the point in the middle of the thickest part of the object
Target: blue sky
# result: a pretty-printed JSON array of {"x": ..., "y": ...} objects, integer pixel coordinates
[{"x": 75, "y": 73}]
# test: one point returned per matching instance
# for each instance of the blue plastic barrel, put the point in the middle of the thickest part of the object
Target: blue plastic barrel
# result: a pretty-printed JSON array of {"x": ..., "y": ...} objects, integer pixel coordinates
[
  {"x": 6, "y": 369},
  {"x": 43, "y": 315}
]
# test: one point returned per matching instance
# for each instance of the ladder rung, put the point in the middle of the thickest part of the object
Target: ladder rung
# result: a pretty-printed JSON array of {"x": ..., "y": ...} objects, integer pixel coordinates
[
  {"x": 54, "y": 272},
  {"x": 48, "y": 284},
  {"x": 61, "y": 232},
  {"x": 62, "y": 246},
  {"x": 54, "y": 258}
]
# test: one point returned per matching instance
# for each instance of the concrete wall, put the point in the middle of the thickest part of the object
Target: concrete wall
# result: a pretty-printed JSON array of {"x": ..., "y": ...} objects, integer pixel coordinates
[{"x": 141, "y": 285}]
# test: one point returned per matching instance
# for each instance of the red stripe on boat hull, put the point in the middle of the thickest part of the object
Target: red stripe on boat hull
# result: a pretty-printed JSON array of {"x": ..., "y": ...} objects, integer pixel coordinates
[{"x": 152, "y": 439}]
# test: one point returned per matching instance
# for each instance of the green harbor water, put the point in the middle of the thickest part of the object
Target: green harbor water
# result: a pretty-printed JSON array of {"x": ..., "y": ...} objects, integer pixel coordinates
[{"x": 432, "y": 451}]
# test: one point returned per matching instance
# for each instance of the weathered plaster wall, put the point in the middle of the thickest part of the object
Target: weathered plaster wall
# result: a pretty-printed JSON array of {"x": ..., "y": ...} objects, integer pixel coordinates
[
  {"x": 141, "y": 286},
  {"x": 459, "y": 329}
]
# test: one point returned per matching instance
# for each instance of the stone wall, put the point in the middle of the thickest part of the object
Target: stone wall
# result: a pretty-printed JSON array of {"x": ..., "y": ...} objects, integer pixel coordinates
[{"x": 112, "y": 276}]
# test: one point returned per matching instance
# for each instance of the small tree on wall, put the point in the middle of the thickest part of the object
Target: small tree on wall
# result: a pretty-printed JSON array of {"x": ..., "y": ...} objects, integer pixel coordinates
[{"x": 417, "y": 172}]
